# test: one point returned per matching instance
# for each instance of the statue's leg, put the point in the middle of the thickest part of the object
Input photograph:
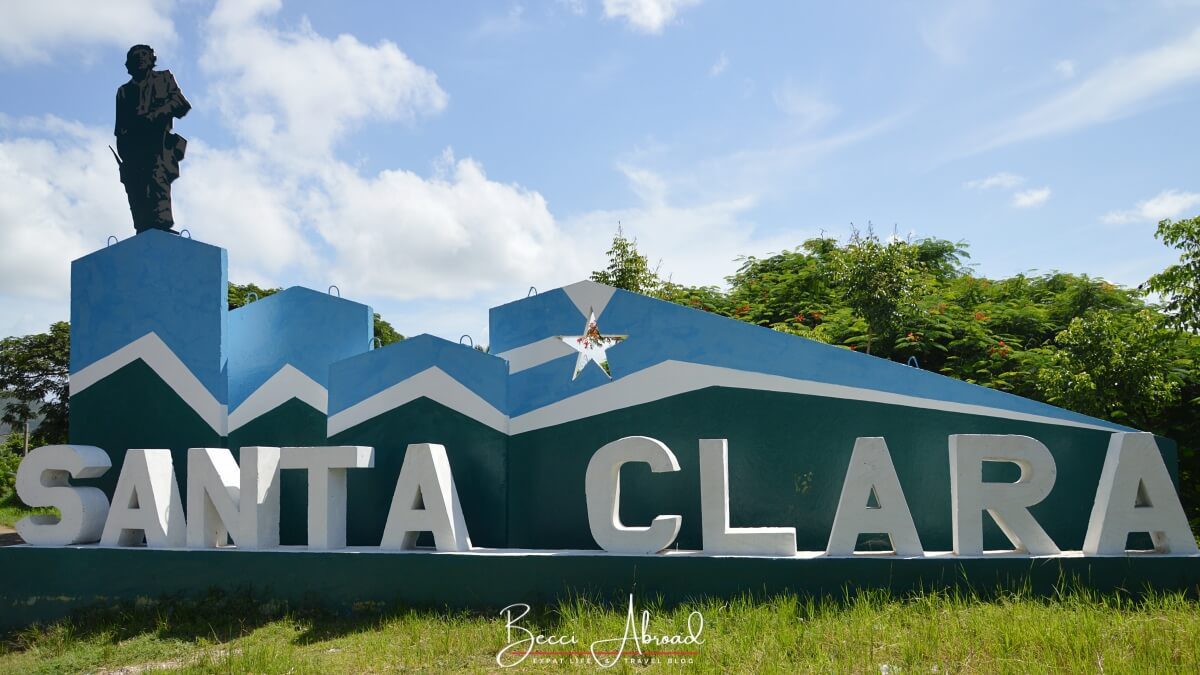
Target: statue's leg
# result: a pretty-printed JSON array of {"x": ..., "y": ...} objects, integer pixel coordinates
[
  {"x": 159, "y": 198},
  {"x": 135, "y": 189}
]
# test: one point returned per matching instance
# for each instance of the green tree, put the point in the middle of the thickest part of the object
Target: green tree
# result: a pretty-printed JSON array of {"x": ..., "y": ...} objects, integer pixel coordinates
[
  {"x": 878, "y": 282},
  {"x": 627, "y": 268},
  {"x": 1118, "y": 367},
  {"x": 384, "y": 331},
  {"x": 11, "y": 450},
  {"x": 1179, "y": 284},
  {"x": 33, "y": 379},
  {"x": 239, "y": 294}
]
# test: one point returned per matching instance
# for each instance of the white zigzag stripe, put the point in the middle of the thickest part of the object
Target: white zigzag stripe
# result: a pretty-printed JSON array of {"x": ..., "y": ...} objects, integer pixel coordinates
[
  {"x": 535, "y": 354},
  {"x": 670, "y": 378},
  {"x": 657, "y": 382},
  {"x": 432, "y": 383},
  {"x": 287, "y": 383},
  {"x": 155, "y": 353}
]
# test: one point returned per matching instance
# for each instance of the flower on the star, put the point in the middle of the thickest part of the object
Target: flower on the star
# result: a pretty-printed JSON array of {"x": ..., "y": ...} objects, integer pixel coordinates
[
  {"x": 592, "y": 346},
  {"x": 591, "y": 336}
]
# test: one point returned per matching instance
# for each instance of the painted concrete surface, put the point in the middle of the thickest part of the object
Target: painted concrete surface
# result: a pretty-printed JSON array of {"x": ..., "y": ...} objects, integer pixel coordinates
[
  {"x": 55, "y": 581},
  {"x": 296, "y": 329},
  {"x": 177, "y": 370},
  {"x": 157, "y": 283}
]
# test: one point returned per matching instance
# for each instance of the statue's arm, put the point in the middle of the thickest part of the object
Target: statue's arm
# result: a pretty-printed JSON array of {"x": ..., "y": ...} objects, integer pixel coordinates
[
  {"x": 176, "y": 105},
  {"x": 179, "y": 106},
  {"x": 117, "y": 126}
]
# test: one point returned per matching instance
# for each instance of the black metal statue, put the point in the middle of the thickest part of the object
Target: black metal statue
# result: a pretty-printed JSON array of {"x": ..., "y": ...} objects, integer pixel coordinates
[{"x": 149, "y": 152}]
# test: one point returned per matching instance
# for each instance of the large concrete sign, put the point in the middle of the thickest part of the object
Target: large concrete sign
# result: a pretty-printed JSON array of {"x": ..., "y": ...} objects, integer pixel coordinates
[{"x": 607, "y": 440}]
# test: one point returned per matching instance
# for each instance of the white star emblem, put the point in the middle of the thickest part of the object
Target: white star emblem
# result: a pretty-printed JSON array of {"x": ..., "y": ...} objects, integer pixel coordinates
[{"x": 592, "y": 346}]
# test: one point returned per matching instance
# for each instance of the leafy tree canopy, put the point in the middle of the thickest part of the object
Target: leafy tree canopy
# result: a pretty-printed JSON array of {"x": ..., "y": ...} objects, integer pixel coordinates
[
  {"x": 627, "y": 269},
  {"x": 33, "y": 379},
  {"x": 1179, "y": 284}
]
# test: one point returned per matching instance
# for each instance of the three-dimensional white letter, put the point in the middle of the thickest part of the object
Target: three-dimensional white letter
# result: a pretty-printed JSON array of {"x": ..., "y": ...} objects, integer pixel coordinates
[
  {"x": 326, "y": 468},
  {"x": 42, "y": 480},
  {"x": 1008, "y": 503},
  {"x": 1136, "y": 495},
  {"x": 146, "y": 503},
  {"x": 871, "y": 470},
  {"x": 425, "y": 500},
  {"x": 603, "y": 491},
  {"x": 719, "y": 537}
]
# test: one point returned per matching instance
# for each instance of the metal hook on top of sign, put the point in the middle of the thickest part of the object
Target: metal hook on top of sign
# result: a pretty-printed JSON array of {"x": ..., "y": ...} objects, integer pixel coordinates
[
  {"x": 332, "y": 288},
  {"x": 469, "y": 339}
]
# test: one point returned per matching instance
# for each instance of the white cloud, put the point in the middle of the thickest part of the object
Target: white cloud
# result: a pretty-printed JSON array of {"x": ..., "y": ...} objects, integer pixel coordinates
[
  {"x": 576, "y": 7},
  {"x": 298, "y": 92},
  {"x": 235, "y": 199},
  {"x": 315, "y": 221},
  {"x": 719, "y": 66},
  {"x": 509, "y": 23},
  {"x": 391, "y": 237},
  {"x": 777, "y": 165},
  {"x": 1005, "y": 181},
  {"x": 807, "y": 108},
  {"x": 395, "y": 235},
  {"x": 649, "y": 186},
  {"x": 949, "y": 33},
  {"x": 60, "y": 196},
  {"x": 695, "y": 243},
  {"x": 1002, "y": 180},
  {"x": 36, "y": 31},
  {"x": 1166, "y": 204},
  {"x": 647, "y": 16},
  {"x": 1117, "y": 90},
  {"x": 1065, "y": 69},
  {"x": 1033, "y": 197},
  {"x": 404, "y": 236}
]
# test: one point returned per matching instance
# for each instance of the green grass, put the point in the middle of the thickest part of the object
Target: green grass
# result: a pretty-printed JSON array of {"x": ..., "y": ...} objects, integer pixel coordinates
[
  {"x": 12, "y": 510},
  {"x": 934, "y": 632}
]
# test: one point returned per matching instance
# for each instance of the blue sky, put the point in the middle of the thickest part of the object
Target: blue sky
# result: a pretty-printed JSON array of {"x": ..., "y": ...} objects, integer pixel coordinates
[{"x": 435, "y": 159}]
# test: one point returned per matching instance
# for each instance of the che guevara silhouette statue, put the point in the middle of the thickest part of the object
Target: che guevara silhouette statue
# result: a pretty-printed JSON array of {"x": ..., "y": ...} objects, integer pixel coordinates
[{"x": 148, "y": 151}]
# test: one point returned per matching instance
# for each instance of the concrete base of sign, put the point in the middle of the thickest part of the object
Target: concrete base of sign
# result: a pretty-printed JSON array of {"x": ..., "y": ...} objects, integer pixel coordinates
[{"x": 49, "y": 583}]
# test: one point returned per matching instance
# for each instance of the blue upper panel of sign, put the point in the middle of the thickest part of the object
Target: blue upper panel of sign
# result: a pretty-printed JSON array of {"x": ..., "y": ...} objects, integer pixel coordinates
[
  {"x": 155, "y": 282},
  {"x": 300, "y": 327},
  {"x": 660, "y": 331},
  {"x": 356, "y": 379},
  {"x": 174, "y": 288}
]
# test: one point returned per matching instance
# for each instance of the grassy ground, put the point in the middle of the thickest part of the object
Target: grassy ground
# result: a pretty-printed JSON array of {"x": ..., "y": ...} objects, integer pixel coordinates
[
  {"x": 1077, "y": 631},
  {"x": 12, "y": 510}
]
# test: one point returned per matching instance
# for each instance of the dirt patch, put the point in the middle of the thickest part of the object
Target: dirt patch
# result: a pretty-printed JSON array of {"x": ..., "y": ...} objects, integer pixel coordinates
[
  {"x": 9, "y": 537},
  {"x": 144, "y": 667}
]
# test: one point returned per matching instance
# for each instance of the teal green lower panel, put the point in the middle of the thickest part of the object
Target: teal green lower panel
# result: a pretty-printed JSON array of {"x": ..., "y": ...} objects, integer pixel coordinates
[
  {"x": 788, "y": 455},
  {"x": 292, "y": 423},
  {"x": 134, "y": 408},
  {"x": 43, "y": 584}
]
